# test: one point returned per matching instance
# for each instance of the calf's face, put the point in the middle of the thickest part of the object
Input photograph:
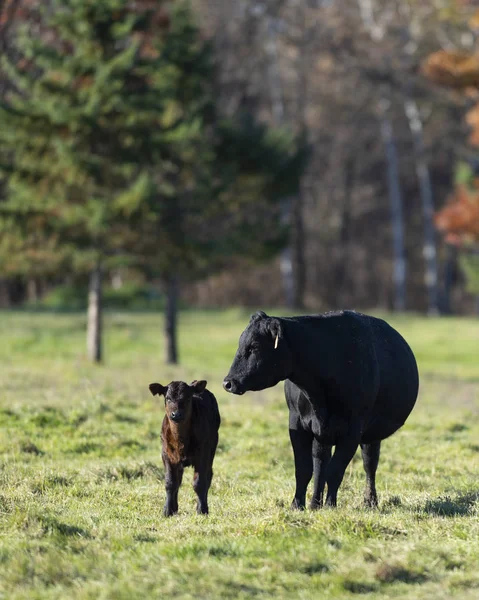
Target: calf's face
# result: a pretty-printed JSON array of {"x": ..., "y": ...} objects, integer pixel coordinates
[
  {"x": 263, "y": 357},
  {"x": 178, "y": 398}
]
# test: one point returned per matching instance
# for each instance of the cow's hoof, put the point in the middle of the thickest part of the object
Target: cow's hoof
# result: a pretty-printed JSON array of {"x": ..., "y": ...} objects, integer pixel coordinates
[
  {"x": 297, "y": 505},
  {"x": 316, "y": 505},
  {"x": 371, "y": 501}
]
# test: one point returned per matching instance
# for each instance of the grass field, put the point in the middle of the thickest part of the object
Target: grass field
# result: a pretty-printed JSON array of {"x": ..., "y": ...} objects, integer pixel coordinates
[{"x": 81, "y": 479}]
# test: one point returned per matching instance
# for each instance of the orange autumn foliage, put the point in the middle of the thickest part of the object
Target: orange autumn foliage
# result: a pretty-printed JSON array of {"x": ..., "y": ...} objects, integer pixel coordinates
[
  {"x": 459, "y": 219},
  {"x": 452, "y": 68},
  {"x": 472, "y": 119}
]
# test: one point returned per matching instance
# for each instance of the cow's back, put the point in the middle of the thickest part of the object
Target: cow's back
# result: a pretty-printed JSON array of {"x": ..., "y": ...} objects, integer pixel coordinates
[{"x": 365, "y": 371}]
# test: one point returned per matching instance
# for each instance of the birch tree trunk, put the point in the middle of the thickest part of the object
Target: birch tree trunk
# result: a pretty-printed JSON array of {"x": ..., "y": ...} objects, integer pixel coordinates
[
  {"x": 292, "y": 261},
  {"x": 33, "y": 290},
  {"x": 451, "y": 259},
  {"x": 427, "y": 202},
  {"x": 396, "y": 208},
  {"x": 171, "y": 317},
  {"x": 344, "y": 231},
  {"x": 298, "y": 259},
  {"x": 94, "y": 320},
  {"x": 376, "y": 31}
]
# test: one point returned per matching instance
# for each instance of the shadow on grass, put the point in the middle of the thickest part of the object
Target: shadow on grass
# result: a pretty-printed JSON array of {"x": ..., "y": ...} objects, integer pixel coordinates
[
  {"x": 359, "y": 587},
  {"x": 314, "y": 568},
  {"x": 52, "y": 526},
  {"x": 131, "y": 472},
  {"x": 30, "y": 448},
  {"x": 445, "y": 506},
  {"x": 391, "y": 573}
]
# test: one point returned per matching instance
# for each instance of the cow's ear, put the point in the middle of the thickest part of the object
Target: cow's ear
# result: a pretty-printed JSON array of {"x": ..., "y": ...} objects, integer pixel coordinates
[
  {"x": 258, "y": 316},
  {"x": 158, "y": 389},
  {"x": 276, "y": 331},
  {"x": 199, "y": 386}
]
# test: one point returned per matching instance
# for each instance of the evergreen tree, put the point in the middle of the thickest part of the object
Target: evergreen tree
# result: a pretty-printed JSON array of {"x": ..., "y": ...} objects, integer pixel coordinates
[
  {"x": 110, "y": 132},
  {"x": 90, "y": 111}
]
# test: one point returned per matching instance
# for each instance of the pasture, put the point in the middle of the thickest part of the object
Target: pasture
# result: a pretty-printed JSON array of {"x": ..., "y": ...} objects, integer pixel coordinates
[{"x": 81, "y": 478}]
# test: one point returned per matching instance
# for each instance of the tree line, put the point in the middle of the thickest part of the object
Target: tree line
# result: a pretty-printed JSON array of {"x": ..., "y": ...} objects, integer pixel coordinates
[
  {"x": 388, "y": 144},
  {"x": 286, "y": 153}
]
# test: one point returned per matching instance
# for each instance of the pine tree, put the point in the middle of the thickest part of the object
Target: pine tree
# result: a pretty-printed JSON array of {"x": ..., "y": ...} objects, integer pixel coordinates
[
  {"x": 89, "y": 114},
  {"x": 111, "y": 132}
]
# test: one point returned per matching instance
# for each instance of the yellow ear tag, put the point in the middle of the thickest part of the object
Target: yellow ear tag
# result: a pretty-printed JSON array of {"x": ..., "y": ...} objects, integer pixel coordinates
[{"x": 276, "y": 343}]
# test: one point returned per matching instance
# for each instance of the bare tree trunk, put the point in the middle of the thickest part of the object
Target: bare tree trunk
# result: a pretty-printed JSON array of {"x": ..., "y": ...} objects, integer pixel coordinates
[
  {"x": 425, "y": 187},
  {"x": 396, "y": 205},
  {"x": 298, "y": 239},
  {"x": 277, "y": 106},
  {"x": 449, "y": 268},
  {"x": 4, "y": 294},
  {"x": 274, "y": 75},
  {"x": 298, "y": 259},
  {"x": 292, "y": 261},
  {"x": 94, "y": 322},
  {"x": 344, "y": 232},
  {"x": 171, "y": 314},
  {"x": 33, "y": 290},
  {"x": 376, "y": 32}
]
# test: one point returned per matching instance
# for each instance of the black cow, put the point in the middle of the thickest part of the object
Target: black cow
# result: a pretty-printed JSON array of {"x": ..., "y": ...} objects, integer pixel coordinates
[{"x": 351, "y": 379}]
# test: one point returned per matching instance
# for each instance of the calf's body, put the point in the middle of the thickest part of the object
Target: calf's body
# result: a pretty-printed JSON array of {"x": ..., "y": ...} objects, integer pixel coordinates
[
  {"x": 351, "y": 379},
  {"x": 189, "y": 438}
]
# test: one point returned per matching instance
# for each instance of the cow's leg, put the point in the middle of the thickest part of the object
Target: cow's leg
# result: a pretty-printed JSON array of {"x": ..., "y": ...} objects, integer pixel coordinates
[
  {"x": 201, "y": 483},
  {"x": 342, "y": 456},
  {"x": 321, "y": 458},
  {"x": 302, "y": 442},
  {"x": 173, "y": 477},
  {"x": 370, "y": 454}
]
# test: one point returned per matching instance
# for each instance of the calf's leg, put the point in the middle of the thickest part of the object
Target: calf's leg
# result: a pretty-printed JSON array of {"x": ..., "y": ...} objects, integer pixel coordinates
[
  {"x": 302, "y": 442},
  {"x": 370, "y": 454},
  {"x": 201, "y": 484},
  {"x": 173, "y": 477},
  {"x": 321, "y": 458}
]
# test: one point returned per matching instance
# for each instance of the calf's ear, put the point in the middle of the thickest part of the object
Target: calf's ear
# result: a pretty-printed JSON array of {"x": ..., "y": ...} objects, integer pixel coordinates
[
  {"x": 199, "y": 386},
  {"x": 157, "y": 389}
]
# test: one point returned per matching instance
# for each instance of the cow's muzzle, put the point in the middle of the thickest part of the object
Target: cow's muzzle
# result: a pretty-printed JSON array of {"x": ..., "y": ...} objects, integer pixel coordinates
[{"x": 231, "y": 386}]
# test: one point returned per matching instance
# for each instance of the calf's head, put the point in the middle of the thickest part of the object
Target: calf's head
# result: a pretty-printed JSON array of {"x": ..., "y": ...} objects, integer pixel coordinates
[
  {"x": 178, "y": 398},
  {"x": 263, "y": 357}
]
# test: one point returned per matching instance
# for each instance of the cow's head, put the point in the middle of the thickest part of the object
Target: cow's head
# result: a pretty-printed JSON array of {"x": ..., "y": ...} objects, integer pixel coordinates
[
  {"x": 178, "y": 398},
  {"x": 263, "y": 357}
]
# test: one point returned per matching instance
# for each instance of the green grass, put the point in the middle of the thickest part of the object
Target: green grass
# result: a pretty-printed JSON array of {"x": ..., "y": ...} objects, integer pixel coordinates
[{"x": 81, "y": 479}]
